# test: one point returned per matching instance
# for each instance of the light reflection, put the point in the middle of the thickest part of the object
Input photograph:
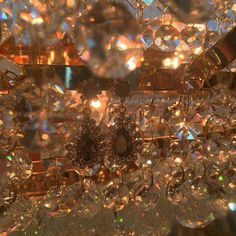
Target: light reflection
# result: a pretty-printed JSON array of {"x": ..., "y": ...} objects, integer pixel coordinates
[
  {"x": 232, "y": 206},
  {"x": 95, "y": 104},
  {"x": 172, "y": 62}
]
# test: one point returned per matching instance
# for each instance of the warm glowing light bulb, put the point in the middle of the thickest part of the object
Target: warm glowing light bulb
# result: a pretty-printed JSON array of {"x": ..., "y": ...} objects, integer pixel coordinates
[{"x": 95, "y": 103}]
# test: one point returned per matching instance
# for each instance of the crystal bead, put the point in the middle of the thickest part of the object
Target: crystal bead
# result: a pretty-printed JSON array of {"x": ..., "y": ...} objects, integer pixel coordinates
[
  {"x": 116, "y": 197},
  {"x": 192, "y": 36},
  {"x": 22, "y": 166},
  {"x": 112, "y": 39},
  {"x": 194, "y": 214},
  {"x": 167, "y": 38},
  {"x": 88, "y": 204},
  {"x": 17, "y": 217},
  {"x": 148, "y": 198},
  {"x": 41, "y": 21},
  {"x": 60, "y": 201}
]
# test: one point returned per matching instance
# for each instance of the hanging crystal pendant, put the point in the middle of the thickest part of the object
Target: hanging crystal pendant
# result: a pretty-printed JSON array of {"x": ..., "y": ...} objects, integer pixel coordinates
[
  {"x": 125, "y": 143},
  {"x": 86, "y": 150}
]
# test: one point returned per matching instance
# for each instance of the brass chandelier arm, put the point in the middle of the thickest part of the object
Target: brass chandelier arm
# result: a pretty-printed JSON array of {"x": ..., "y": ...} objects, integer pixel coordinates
[{"x": 221, "y": 55}]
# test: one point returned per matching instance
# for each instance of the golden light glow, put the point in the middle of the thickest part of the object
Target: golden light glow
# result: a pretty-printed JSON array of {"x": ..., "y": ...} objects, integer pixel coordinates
[
  {"x": 178, "y": 160},
  {"x": 176, "y": 62},
  {"x": 198, "y": 50},
  {"x": 70, "y": 3},
  {"x": 167, "y": 62},
  {"x": 172, "y": 62},
  {"x": 44, "y": 136},
  {"x": 95, "y": 104},
  {"x": 37, "y": 21}
]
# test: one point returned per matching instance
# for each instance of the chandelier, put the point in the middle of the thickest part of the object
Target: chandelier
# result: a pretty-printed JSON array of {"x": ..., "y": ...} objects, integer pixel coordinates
[{"x": 116, "y": 117}]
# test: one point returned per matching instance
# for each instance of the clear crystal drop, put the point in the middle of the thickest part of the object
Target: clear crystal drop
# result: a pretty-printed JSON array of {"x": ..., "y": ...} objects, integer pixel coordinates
[
  {"x": 88, "y": 204},
  {"x": 219, "y": 207},
  {"x": 7, "y": 195},
  {"x": 192, "y": 37},
  {"x": 167, "y": 38},
  {"x": 40, "y": 134},
  {"x": 116, "y": 197},
  {"x": 194, "y": 213},
  {"x": 22, "y": 166},
  {"x": 59, "y": 201},
  {"x": 149, "y": 198},
  {"x": 41, "y": 21},
  {"x": 112, "y": 39},
  {"x": 17, "y": 217}
]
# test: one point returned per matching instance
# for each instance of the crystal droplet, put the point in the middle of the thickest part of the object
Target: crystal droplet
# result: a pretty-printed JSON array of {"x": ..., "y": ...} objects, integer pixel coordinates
[
  {"x": 194, "y": 214},
  {"x": 116, "y": 197},
  {"x": 17, "y": 217},
  {"x": 60, "y": 201},
  {"x": 192, "y": 37},
  {"x": 22, "y": 165},
  {"x": 167, "y": 38},
  {"x": 89, "y": 204},
  {"x": 112, "y": 40},
  {"x": 41, "y": 22},
  {"x": 149, "y": 198}
]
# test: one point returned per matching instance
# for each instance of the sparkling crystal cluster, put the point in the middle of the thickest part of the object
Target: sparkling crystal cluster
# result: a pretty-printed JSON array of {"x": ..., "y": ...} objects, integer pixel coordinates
[{"x": 140, "y": 134}]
